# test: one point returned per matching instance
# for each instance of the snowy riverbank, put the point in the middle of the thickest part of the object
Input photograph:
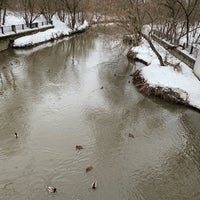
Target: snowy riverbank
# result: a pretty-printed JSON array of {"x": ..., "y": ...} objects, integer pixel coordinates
[
  {"x": 60, "y": 30},
  {"x": 180, "y": 86}
]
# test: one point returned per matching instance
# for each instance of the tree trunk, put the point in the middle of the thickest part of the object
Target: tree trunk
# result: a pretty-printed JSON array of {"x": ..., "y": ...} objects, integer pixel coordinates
[
  {"x": 187, "y": 31},
  {"x": 153, "y": 48},
  {"x": 0, "y": 16},
  {"x": 4, "y": 16}
]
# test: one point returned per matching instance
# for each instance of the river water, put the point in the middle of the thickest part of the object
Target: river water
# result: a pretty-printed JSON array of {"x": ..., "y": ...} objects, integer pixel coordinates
[{"x": 52, "y": 96}]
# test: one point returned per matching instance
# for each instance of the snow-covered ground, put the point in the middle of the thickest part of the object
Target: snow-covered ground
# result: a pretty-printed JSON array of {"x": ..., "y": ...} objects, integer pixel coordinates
[
  {"x": 183, "y": 82},
  {"x": 16, "y": 18},
  {"x": 13, "y": 18},
  {"x": 60, "y": 29}
]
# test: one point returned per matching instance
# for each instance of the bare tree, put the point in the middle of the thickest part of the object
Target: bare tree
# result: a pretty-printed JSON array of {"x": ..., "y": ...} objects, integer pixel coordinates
[
  {"x": 172, "y": 15},
  {"x": 61, "y": 10},
  {"x": 134, "y": 15},
  {"x": 73, "y": 9},
  {"x": 31, "y": 11},
  {"x": 48, "y": 9},
  {"x": 188, "y": 7},
  {"x": 3, "y": 9}
]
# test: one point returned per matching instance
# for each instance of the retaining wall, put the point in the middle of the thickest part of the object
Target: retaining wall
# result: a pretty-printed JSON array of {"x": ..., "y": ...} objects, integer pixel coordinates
[
  {"x": 6, "y": 40},
  {"x": 175, "y": 52}
]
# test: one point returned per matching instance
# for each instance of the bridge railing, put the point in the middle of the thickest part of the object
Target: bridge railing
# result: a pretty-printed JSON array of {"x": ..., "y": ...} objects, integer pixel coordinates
[{"x": 21, "y": 27}]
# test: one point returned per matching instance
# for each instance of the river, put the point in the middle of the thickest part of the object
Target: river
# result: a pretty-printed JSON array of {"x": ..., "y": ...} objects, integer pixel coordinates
[{"x": 78, "y": 92}]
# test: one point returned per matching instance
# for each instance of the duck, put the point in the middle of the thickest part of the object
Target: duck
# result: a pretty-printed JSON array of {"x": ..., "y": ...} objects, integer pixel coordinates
[
  {"x": 79, "y": 147},
  {"x": 51, "y": 189},
  {"x": 94, "y": 185},
  {"x": 16, "y": 135},
  {"x": 131, "y": 135},
  {"x": 88, "y": 169}
]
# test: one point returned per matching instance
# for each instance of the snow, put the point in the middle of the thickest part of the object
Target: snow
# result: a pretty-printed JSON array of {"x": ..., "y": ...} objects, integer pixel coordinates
[
  {"x": 16, "y": 18},
  {"x": 143, "y": 53},
  {"x": 60, "y": 26},
  {"x": 37, "y": 38},
  {"x": 13, "y": 19},
  {"x": 30, "y": 51},
  {"x": 83, "y": 26},
  {"x": 146, "y": 29},
  {"x": 184, "y": 82},
  {"x": 60, "y": 29}
]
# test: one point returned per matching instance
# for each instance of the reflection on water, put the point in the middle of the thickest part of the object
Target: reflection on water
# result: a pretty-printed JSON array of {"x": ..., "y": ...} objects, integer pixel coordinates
[
  {"x": 7, "y": 77},
  {"x": 78, "y": 91}
]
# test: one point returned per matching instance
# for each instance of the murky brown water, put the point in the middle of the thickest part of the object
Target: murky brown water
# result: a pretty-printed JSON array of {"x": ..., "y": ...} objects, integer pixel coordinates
[{"x": 51, "y": 97}]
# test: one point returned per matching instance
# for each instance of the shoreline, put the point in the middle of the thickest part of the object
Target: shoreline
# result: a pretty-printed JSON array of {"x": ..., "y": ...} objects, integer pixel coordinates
[
  {"x": 178, "y": 87},
  {"x": 168, "y": 94},
  {"x": 30, "y": 45},
  {"x": 59, "y": 31}
]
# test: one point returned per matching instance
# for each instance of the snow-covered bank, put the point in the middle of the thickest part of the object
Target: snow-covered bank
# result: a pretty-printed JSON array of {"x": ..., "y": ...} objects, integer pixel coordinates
[
  {"x": 180, "y": 82},
  {"x": 60, "y": 30}
]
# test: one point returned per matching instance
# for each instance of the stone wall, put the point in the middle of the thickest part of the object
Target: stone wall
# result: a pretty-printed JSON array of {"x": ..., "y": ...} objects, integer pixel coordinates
[
  {"x": 6, "y": 40},
  {"x": 197, "y": 66},
  {"x": 175, "y": 52},
  {"x": 4, "y": 43}
]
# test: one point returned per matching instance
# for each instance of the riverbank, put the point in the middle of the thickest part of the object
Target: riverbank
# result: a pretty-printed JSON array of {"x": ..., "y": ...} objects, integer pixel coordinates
[
  {"x": 176, "y": 83},
  {"x": 60, "y": 30}
]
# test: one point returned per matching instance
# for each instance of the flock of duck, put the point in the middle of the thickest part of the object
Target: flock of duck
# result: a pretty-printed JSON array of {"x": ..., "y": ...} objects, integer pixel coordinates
[
  {"x": 53, "y": 189},
  {"x": 88, "y": 169}
]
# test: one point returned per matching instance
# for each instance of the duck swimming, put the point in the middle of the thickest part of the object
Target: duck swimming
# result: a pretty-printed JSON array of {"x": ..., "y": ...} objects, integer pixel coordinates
[
  {"x": 94, "y": 185},
  {"x": 16, "y": 135},
  {"x": 88, "y": 169},
  {"x": 51, "y": 189},
  {"x": 79, "y": 147},
  {"x": 131, "y": 135}
]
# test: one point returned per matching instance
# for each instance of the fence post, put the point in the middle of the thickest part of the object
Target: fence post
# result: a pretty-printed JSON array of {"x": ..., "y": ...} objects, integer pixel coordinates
[
  {"x": 183, "y": 45},
  {"x": 191, "y": 50},
  {"x": 13, "y": 28},
  {"x": 2, "y": 30},
  {"x": 36, "y": 25}
]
